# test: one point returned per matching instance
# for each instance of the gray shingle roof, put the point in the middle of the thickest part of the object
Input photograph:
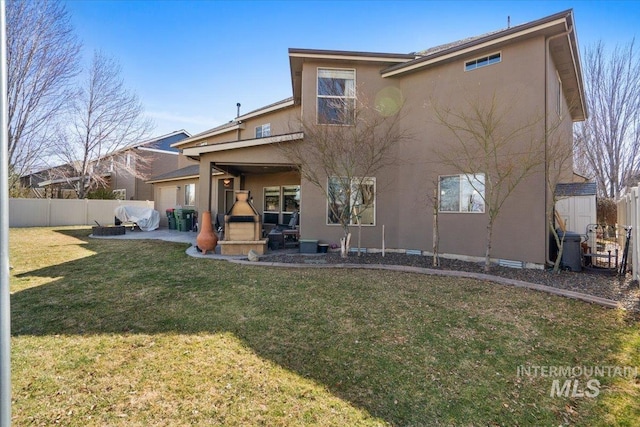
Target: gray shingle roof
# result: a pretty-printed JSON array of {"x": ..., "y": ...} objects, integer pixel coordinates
[
  {"x": 179, "y": 173},
  {"x": 576, "y": 189}
]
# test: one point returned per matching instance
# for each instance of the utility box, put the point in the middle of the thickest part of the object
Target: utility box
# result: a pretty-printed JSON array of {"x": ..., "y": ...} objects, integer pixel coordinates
[{"x": 308, "y": 246}]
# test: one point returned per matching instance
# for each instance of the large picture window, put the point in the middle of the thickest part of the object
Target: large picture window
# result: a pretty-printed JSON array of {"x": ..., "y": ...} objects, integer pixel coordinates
[
  {"x": 336, "y": 96},
  {"x": 351, "y": 199},
  {"x": 462, "y": 193},
  {"x": 280, "y": 202}
]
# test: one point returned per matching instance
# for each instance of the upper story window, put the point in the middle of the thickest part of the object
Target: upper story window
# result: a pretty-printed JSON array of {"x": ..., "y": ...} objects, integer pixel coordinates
[
  {"x": 336, "y": 96},
  {"x": 494, "y": 58},
  {"x": 263, "y": 130},
  {"x": 462, "y": 193}
]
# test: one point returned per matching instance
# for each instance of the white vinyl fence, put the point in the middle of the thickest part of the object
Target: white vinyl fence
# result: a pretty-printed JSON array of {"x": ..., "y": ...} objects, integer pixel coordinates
[
  {"x": 56, "y": 212},
  {"x": 629, "y": 215}
]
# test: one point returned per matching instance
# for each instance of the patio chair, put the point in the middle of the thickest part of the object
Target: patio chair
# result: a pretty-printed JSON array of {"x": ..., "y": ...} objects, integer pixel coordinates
[{"x": 285, "y": 234}]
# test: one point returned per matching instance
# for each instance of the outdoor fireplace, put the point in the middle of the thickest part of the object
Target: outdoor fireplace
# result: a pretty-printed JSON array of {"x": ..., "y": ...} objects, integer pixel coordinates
[
  {"x": 242, "y": 228},
  {"x": 242, "y": 222}
]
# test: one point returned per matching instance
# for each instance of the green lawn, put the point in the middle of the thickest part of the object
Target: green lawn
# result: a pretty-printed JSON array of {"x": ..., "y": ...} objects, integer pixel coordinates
[{"x": 136, "y": 333}]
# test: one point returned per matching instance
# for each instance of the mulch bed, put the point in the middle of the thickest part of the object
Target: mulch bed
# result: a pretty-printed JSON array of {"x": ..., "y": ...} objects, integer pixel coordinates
[{"x": 598, "y": 282}]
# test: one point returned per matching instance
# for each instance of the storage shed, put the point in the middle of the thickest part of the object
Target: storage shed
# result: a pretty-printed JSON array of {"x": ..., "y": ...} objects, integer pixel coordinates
[{"x": 576, "y": 205}]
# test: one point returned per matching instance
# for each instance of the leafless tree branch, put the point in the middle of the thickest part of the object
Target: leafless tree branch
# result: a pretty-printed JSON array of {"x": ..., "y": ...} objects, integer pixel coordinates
[
  {"x": 351, "y": 153},
  {"x": 42, "y": 61},
  {"x": 487, "y": 140},
  {"x": 105, "y": 118},
  {"x": 609, "y": 140}
]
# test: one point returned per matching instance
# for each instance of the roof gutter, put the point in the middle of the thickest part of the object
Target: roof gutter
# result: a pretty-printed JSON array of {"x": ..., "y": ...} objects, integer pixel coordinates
[{"x": 465, "y": 48}]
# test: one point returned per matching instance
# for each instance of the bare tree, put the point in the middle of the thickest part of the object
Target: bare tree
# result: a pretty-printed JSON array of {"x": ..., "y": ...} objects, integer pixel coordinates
[
  {"x": 493, "y": 152},
  {"x": 341, "y": 160},
  {"x": 105, "y": 118},
  {"x": 42, "y": 61},
  {"x": 609, "y": 139}
]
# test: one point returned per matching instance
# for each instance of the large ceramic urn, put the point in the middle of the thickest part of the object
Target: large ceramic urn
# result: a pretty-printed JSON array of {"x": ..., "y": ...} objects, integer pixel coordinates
[{"x": 207, "y": 239}]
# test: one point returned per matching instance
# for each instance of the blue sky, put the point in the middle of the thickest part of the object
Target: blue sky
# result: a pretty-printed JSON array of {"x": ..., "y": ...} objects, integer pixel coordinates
[{"x": 190, "y": 62}]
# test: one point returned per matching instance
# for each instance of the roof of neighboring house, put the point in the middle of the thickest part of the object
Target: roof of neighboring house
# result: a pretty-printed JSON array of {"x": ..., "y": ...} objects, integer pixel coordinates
[
  {"x": 163, "y": 142},
  {"x": 159, "y": 143},
  {"x": 576, "y": 189},
  {"x": 182, "y": 173}
]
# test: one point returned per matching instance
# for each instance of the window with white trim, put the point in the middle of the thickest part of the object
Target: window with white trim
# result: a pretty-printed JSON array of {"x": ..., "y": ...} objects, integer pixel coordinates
[
  {"x": 263, "y": 131},
  {"x": 494, "y": 58},
  {"x": 336, "y": 96},
  {"x": 189, "y": 194},
  {"x": 352, "y": 199},
  {"x": 462, "y": 193}
]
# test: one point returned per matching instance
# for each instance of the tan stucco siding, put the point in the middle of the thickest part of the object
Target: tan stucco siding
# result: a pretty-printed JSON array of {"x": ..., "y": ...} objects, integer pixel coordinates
[
  {"x": 403, "y": 201},
  {"x": 281, "y": 121},
  {"x": 522, "y": 90},
  {"x": 184, "y": 161},
  {"x": 518, "y": 84}
]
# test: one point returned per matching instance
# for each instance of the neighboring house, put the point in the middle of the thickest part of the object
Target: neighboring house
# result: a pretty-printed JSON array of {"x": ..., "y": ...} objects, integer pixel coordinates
[
  {"x": 537, "y": 62},
  {"x": 124, "y": 172},
  {"x": 176, "y": 188}
]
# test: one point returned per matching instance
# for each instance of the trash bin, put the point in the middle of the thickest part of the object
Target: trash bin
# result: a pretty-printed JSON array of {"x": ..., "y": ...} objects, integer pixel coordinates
[
  {"x": 171, "y": 219},
  {"x": 184, "y": 219},
  {"x": 571, "y": 251}
]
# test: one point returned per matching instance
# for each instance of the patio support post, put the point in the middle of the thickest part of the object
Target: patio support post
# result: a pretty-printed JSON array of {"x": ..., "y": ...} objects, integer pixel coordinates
[{"x": 210, "y": 185}]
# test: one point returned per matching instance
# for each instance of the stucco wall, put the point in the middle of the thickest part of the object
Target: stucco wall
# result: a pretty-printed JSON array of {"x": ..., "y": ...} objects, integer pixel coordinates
[{"x": 404, "y": 202}]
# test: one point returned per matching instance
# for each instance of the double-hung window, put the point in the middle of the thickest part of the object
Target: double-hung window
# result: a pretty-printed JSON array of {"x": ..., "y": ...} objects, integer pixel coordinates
[
  {"x": 462, "y": 193},
  {"x": 351, "y": 201},
  {"x": 336, "y": 96},
  {"x": 263, "y": 131}
]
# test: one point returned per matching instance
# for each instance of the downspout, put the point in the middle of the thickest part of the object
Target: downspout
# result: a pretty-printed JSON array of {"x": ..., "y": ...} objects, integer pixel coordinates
[{"x": 546, "y": 138}]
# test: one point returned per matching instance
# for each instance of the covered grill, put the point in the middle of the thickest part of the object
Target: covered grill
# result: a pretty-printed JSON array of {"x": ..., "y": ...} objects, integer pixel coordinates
[{"x": 242, "y": 222}]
